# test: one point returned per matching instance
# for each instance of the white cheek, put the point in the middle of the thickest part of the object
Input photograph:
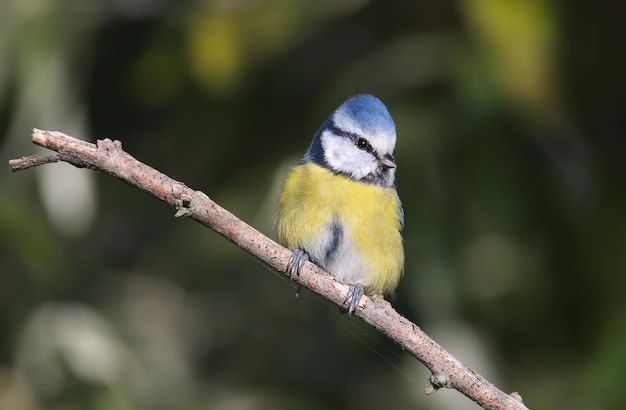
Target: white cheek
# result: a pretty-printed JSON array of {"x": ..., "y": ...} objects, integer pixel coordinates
[{"x": 341, "y": 154}]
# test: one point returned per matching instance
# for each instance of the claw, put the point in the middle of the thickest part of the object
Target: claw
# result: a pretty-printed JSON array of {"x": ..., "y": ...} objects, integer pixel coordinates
[
  {"x": 354, "y": 296},
  {"x": 296, "y": 260}
]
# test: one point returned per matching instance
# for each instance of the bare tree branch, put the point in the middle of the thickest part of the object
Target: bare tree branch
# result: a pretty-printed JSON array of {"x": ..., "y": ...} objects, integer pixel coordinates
[
  {"x": 32, "y": 161},
  {"x": 108, "y": 156}
]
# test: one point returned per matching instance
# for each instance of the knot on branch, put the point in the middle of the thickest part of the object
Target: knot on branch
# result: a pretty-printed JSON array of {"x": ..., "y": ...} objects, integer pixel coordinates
[
  {"x": 109, "y": 145},
  {"x": 183, "y": 205},
  {"x": 437, "y": 381},
  {"x": 517, "y": 396}
]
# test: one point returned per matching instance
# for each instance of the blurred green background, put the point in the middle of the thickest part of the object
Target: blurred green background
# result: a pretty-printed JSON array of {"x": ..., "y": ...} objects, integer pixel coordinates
[{"x": 511, "y": 152}]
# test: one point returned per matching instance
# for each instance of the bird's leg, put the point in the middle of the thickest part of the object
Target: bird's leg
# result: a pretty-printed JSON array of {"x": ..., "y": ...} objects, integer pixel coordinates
[
  {"x": 355, "y": 293},
  {"x": 296, "y": 260}
]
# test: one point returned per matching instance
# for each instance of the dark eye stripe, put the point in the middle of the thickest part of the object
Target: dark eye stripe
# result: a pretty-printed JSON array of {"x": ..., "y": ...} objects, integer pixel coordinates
[{"x": 360, "y": 142}]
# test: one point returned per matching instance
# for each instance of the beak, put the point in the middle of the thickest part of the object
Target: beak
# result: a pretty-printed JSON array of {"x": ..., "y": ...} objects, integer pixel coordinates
[{"x": 388, "y": 161}]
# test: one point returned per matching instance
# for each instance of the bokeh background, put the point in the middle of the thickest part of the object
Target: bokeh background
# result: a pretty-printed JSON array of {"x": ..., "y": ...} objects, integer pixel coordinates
[{"x": 511, "y": 152}]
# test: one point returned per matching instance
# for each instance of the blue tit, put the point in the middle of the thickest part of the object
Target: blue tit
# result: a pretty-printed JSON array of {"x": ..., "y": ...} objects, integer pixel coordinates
[{"x": 339, "y": 208}]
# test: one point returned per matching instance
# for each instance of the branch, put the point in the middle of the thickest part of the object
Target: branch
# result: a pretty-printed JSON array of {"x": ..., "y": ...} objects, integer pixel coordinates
[{"x": 108, "y": 156}]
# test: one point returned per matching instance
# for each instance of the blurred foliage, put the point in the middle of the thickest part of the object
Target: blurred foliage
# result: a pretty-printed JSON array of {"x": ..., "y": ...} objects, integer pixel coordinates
[{"x": 511, "y": 169}]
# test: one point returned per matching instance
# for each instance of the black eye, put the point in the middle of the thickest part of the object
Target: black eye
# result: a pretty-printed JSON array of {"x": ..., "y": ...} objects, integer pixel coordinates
[{"x": 363, "y": 144}]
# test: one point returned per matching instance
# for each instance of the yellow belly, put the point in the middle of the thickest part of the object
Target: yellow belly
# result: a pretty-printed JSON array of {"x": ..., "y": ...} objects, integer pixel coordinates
[{"x": 371, "y": 251}]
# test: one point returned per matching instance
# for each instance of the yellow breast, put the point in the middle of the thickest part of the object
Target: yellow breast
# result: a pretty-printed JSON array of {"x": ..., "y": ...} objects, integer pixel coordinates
[{"x": 371, "y": 252}]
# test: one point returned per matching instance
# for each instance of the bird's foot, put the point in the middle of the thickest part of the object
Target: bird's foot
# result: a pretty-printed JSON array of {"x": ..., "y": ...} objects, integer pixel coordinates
[
  {"x": 355, "y": 293},
  {"x": 296, "y": 260}
]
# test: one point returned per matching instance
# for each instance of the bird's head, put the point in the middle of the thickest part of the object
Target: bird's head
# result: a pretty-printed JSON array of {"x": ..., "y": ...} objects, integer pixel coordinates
[{"x": 357, "y": 140}]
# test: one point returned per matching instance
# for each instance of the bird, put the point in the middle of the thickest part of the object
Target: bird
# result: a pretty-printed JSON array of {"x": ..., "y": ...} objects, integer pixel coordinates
[{"x": 339, "y": 207}]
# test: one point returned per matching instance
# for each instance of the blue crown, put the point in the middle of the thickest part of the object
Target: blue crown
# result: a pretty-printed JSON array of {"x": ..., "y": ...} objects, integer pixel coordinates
[{"x": 369, "y": 112}]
